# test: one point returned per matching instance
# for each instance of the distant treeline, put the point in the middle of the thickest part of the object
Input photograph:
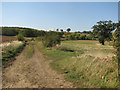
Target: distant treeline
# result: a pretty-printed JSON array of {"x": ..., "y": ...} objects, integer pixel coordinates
[{"x": 28, "y": 32}]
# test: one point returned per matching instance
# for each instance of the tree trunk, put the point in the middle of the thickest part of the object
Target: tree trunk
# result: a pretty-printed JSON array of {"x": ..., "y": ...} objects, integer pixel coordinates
[{"x": 103, "y": 43}]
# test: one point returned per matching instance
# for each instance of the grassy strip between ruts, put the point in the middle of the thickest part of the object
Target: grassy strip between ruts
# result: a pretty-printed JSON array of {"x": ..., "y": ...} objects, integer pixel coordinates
[
  {"x": 85, "y": 71},
  {"x": 30, "y": 50}
]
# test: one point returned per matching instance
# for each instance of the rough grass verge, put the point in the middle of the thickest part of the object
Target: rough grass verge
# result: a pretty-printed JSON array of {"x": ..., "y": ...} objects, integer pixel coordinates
[
  {"x": 82, "y": 69},
  {"x": 9, "y": 54}
]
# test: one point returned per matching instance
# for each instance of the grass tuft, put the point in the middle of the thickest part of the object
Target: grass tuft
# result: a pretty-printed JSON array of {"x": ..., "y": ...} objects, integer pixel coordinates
[{"x": 30, "y": 51}]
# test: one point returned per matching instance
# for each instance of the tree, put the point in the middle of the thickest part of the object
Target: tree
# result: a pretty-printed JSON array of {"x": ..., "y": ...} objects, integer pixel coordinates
[
  {"x": 57, "y": 30},
  {"x": 61, "y": 30},
  {"x": 103, "y": 30},
  {"x": 116, "y": 40},
  {"x": 68, "y": 30}
]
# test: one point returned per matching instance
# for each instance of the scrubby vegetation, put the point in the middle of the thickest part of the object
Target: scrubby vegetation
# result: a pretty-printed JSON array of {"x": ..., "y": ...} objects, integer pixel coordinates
[
  {"x": 9, "y": 52},
  {"x": 51, "y": 40},
  {"x": 20, "y": 37},
  {"x": 84, "y": 63},
  {"x": 78, "y": 55},
  {"x": 79, "y": 36},
  {"x": 27, "y": 32},
  {"x": 116, "y": 39}
]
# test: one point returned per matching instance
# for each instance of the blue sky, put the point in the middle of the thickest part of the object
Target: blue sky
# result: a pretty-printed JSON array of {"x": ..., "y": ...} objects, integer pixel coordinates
[
  {"x": 119, "y": 11},
  {"x": 78, "y": 16}
]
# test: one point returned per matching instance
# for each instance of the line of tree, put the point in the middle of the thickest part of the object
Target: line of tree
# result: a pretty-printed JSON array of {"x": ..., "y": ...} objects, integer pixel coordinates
[
  {"x": 79, "y": 36},
  {"x": 27, "y": 32},
  {"x": 68, "y": 30}
]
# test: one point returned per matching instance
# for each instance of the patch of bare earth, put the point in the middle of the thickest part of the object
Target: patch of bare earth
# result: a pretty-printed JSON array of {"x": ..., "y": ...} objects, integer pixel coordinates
[{"x": 32, "y": 72}]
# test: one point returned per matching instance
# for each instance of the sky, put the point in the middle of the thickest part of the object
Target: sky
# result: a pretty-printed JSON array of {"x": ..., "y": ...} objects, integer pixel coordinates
[
  {"x": 119, "y": 11},
  {"x": 78, "y": 16}
]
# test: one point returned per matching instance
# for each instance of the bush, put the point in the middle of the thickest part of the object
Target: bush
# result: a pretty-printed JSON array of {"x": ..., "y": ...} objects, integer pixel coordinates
[
  {"x": 82, "y": 37},
  {"x": 51, "y": 40},
  {"x": 20, "y": 37}
]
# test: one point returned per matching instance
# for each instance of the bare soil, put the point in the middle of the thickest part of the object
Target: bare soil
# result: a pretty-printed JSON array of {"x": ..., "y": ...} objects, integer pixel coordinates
[
  {"x": 7, "y": 38},
  {"x": 33, "y": 72}
]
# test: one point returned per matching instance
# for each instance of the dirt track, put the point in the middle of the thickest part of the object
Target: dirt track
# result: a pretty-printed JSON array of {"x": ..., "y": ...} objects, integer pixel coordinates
[{"x": 32, "y": 73}]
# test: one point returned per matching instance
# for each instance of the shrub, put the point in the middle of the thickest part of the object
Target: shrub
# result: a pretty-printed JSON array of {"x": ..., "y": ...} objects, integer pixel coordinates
[
  {"x": 20, "y": 37},
  {"x": 82, "y": 37},
  {"x": 51, "y": 40}
]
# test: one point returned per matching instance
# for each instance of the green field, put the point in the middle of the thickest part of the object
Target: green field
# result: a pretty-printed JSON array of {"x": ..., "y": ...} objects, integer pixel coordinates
[{"x": 85, "y": 63}]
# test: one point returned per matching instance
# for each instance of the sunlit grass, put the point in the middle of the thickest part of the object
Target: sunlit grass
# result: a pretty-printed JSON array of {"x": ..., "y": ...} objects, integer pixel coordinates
[{"x": 89, "y": 65}]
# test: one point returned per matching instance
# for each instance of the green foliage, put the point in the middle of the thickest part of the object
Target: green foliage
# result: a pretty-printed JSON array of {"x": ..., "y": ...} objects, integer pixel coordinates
[
  {"x": 68, "y": 30},
  {"x": 116, "y": 40},
  {"x": 82, "y": 37},
  {"x": 40, "y": 38},
  {"x": 103, "y": 30},
  {"x": 81, "y": 66},
  {"x": 60, "y": 34},
  {"x": 32, "y": 33},
  {"x": 88, "y": 32},
  {"x": 101, "y": 40},
  {"x": 10, "y": 31},
  {"x": 20, "y": 37},
  {"x": 90, "y": 37},
  {"x": 78, "y": 36},
  {"x": 27, "y": 32},
  {"x": 10, "y": 52},
  {"x": 51, "y": 40}
]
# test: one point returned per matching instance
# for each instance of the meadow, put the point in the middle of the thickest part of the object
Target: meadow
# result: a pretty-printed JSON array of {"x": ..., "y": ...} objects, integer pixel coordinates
[
  {"x": 86, "y": 63},
  {"x": 82, "y": 61}
]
